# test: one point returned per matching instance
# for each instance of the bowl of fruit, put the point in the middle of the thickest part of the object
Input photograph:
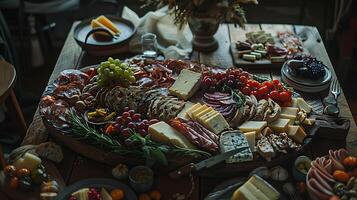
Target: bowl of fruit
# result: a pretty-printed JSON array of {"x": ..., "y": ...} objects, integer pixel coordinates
[
  {"x": 333, "y": 176},
  {"x": 97, "y": 189}
]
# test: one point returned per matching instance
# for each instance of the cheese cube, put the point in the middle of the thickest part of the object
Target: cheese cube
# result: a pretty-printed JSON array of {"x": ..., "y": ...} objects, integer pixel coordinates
[
  {"x": 256, "y": 126},
  {"x": 289, "y": 111},
  {"x": 186, "y": 84},
  {"x": 296, "y": 133},
  {"x": 162, "y": 132},
  {"x": 216, "y": 123},
  {"x": 292, "y": 118},
  {"x": 187, "y": 107},
  {"x": 302, "y": 105},
  {"x": 251, "y": 139},
  {"x": 279, "y": 125},
  {"x": 309, "y": 121},
  {"x": 294, "y": 103}
]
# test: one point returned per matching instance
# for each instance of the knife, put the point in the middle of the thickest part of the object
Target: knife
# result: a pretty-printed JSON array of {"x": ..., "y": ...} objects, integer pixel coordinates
[{"x": 191, "y": 167}]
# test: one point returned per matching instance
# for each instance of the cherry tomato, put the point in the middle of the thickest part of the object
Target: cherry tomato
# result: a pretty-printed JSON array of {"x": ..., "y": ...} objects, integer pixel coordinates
[
  {"x": 244, "y": 73},
  {"x": 289, "y": 92},
  {"x": 246, "y": 90},
  {"x": 254, "y": 83},
  {"x": 284, "y": 97},
  {"x": 263, "y": 91},
  {"x": 276, "y": 82},
  {"x": 274, "y": 95},
  {"x": 269, "y": 85},
  {"x": 243, "y": 79},
  {"x": 237, "y": 72}
]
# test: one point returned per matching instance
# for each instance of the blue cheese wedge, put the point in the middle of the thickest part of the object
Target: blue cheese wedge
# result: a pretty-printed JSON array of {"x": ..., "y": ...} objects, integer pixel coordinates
[
  {"x": 231, "y": 140},
  {"x": 186, "y": 84},
  {"x": 162, "y": 132}
]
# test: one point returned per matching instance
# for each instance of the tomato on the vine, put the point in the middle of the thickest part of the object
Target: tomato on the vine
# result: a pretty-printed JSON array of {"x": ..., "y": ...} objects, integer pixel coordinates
[
  {"x": 275, "y": 82},
  {"x": 254, "y": 83},
  {"x": 284, "y": 97},
  {"x": 274, "y": 95},
  {"x": 269, "y": 85},
  {"x": 263, "y": 91},
  {"x": 243, "y": 79},
  {"x": 246, "y": 90}
]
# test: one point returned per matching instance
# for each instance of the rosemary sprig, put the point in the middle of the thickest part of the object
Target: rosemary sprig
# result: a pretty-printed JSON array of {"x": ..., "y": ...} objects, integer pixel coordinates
[{"x": 144, "y": 147}]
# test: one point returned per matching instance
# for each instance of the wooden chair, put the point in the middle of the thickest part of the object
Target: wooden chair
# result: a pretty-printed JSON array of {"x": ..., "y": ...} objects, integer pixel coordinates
[{"x": 7, "y": 95}]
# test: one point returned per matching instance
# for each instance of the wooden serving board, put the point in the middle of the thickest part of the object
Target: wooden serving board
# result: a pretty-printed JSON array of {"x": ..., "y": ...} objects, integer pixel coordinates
[{"x": 260, "y": 64}]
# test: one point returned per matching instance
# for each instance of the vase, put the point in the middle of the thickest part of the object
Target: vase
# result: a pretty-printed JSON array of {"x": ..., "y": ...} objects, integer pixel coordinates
[{"x": 203, "y": 29}]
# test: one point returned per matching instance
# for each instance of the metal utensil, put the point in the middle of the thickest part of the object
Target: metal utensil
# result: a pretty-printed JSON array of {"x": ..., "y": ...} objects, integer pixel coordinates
[
  {"x": 219, "y": 193},
  {"x": 330, "y": 102},
  {"x": 187, "y": 169}
]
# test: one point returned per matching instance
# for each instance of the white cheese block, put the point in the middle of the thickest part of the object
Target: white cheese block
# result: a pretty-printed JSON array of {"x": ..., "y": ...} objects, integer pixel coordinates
[
  {"x": 296, "y": 133},
  {"x": 302, "y": 105},
  {"x": 186, "y": 84},
  {"x": 231, "y": 140},
  {"x": 162, "y": 132},
  {"x": 256, "y": 126},
  {"x": 292, "y": 118},
  {"x": 279, "y": 125},
  {"x": 251, "y": 139},
  {"x": 256, "y": 189},
  {"x": 289, "y": 111},
  {"x": 294, "y": 103}
]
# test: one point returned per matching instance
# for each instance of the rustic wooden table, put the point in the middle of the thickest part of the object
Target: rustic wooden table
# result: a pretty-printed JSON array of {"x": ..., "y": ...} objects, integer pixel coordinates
[{"x": 74, "y": 167}]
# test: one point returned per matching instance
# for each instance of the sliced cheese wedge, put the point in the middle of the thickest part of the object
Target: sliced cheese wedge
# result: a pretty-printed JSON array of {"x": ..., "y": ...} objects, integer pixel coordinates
[
  {"x": 107, "y": 23},
  {"x": 162, "y": 132},
  {"x": 97, "y": 24},
  {"x": 280, "y": 125}
]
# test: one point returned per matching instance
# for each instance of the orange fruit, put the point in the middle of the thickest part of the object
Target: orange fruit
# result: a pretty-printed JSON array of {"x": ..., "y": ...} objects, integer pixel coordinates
[
  {"x": 350, "y": 161},
  {"x": 334, "y": 197},
  {"x": 144, "y": 196},
  {"x": 341, "y": 176},
  {"x": 155, "y": 195},
  {"x": 117, "y": 194}
]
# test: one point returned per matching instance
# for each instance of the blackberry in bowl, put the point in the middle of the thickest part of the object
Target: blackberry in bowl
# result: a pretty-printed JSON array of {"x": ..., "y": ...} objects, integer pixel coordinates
[{"x": 307, "y": 67}]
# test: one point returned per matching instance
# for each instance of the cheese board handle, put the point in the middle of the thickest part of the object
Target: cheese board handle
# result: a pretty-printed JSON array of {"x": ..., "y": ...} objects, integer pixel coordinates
[{"x": 183, "y": 171}]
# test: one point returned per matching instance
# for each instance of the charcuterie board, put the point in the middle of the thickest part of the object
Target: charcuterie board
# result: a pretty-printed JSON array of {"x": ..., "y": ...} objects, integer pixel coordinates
[
  {"x": 170, "y": 113},
  {"x": 261, "y": 50}
]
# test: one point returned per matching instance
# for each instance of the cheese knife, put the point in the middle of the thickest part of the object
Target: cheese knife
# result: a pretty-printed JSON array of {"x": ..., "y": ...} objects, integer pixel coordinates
[{"x": 191, "y": 167}]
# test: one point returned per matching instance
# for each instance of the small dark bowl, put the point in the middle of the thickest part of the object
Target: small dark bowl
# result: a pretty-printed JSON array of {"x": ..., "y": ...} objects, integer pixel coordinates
[
  {"x": 141, "y": 186},
  {"x": 85, "y": 116}
]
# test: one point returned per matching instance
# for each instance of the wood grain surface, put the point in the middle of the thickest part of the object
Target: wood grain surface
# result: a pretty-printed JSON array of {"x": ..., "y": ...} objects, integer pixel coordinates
[{"x": 74, "y": 167}]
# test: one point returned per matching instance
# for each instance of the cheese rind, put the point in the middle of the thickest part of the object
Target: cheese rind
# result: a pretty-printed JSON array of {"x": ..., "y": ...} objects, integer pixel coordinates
[
  {"x": 162, "y": 132},
  {"x": 186, "y": 84},
  {"x": 296, "y": 133},
  {"x": 280, "y": 125},
  {"x": 191, "y": 109},
  {"x": 251, "y": 139}
]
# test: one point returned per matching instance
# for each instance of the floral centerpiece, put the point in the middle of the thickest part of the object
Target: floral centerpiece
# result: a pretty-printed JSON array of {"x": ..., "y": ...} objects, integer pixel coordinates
[{"x": 204, "y": 17}]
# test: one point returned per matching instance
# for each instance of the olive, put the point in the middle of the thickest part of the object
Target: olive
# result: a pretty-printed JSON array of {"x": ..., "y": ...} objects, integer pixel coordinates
[
  {"x": 10, "y": 170},
  {"x": 22, "y": 172},
  {"x": 25, "y": 183}
]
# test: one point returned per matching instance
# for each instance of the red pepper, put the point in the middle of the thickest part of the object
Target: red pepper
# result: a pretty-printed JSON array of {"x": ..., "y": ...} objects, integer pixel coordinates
[{"x": 109, "y": 129}]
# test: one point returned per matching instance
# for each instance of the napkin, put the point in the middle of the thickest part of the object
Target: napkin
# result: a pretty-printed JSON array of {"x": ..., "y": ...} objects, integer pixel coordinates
[{"x": 172, "y": 42}]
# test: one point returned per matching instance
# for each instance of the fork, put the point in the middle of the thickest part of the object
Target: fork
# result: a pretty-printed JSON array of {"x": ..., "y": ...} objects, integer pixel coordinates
[
  {"x": 335, "y": 89},
  {"x": 330, "y": 101}
]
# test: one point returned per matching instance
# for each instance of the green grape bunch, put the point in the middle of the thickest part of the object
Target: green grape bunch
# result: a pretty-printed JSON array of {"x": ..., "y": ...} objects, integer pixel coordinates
[{"x": 114, "y": 71}]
